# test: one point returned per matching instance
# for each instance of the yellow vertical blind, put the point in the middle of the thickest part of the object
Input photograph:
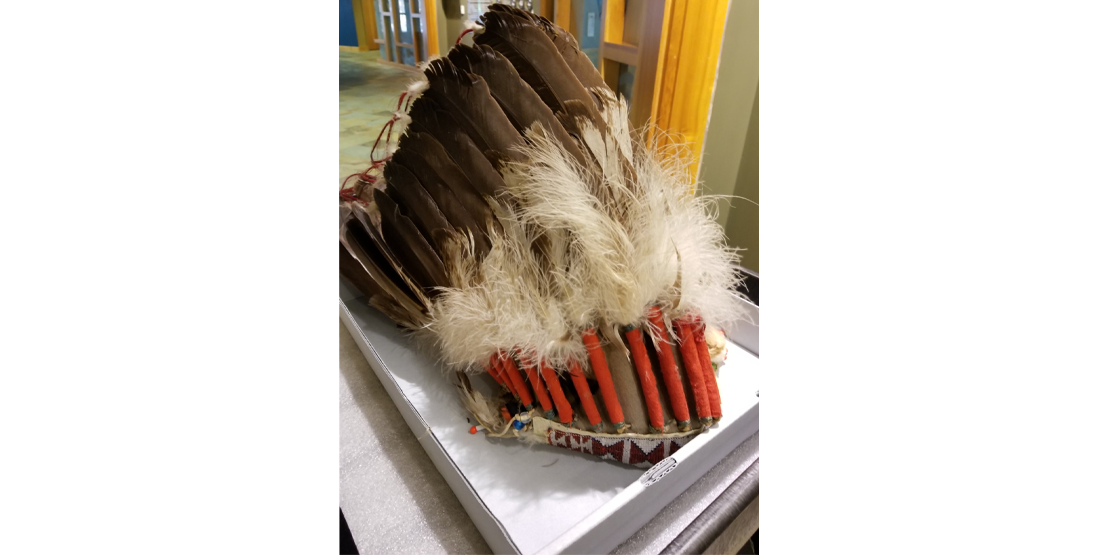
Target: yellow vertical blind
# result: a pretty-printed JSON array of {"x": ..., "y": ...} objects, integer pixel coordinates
[
  {"x": 688, "y": 60},
  {"x": 428, "y": 6}
]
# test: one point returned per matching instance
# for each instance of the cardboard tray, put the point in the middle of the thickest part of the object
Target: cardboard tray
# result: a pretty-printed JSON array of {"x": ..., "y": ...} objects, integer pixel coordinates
[{"x": 540, "y": 499}]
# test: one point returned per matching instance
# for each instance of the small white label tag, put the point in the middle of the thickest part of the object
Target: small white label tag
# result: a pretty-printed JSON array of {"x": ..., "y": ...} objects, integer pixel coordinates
[
  {"x": 659, "y": 470},
  {"x": 591, "y": 24}
]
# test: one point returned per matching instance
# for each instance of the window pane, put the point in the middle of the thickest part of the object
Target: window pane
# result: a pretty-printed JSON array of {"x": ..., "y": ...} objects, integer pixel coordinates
[
  {"x": 405, "y": 31},
  {"x": 380, "y": 31},
  {"x": 589, "y": 30},
  {"x": 422, "y": 40},
  {"x": 389, "y": 40},
  {"x": 626, "y": 81}
]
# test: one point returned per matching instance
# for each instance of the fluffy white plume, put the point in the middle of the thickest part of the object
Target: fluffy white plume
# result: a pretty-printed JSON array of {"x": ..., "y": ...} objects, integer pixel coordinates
[
  {"x": 502, "y": 301},
  {"x": 638, "y": 202},
  {"x": 556, "y": 192},
  {"x": 706, "y": 265}
]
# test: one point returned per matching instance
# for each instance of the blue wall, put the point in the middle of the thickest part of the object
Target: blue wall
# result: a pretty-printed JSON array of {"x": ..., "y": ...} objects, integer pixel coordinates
[{"x": 347, "y": 24}]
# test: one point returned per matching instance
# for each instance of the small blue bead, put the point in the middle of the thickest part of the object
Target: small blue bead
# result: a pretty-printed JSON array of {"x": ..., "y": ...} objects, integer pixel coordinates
[{"x": 517, "y": 425}]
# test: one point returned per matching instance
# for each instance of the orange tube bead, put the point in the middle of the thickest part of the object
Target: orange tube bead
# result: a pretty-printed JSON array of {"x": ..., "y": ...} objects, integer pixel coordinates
[
  {"x": 648, "y": 381},
  {"x": 708, "y": 370},
  {"x": 603, "y": 377},
  {"x": 540, "y": 390},
  {"x": 561, "y": 404},
  {"x": 673, "y": 383},
  {"x": 695, "y": 375},
  {"x": 517, "y": 381},
  {"x": 587, "y": 402},
  {"x": 493, "y": 369}
]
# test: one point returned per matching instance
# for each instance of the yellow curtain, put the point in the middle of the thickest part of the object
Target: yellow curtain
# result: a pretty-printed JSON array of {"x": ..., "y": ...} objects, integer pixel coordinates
[{"x": 688, "y": 59}]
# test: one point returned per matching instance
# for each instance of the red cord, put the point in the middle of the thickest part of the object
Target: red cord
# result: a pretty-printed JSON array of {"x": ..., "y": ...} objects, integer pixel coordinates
[
  {"x": 462, "y": 34},
  {"x": 517, "y": 380},
  {"x": 405, "y": 98},
  {"x": 388, "y": 126},
  {"x": 347, "y": 193}
]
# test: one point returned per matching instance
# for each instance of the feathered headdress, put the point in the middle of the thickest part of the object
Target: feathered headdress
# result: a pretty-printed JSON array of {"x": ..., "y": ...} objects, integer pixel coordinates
[{"x": 519, "y": 225}]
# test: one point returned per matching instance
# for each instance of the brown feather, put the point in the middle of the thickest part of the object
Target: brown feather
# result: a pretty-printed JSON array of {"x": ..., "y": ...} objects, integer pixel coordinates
[
  {"x": 367, "y": 230},
  {"x": 428, "y": 117},
  {"x": 354, "y": 272},
  {"x": 535, "y": 58},
  {"x": 467, "y": 99},
  {"x": 519, "y": 101},
  {"x": 405, "y": 189},
  {"x": 412, "y": 251},
  {"x": 567, "y": 46},
  {"x": 359, "y": 242},
  {"x": 455, "y": 196}
]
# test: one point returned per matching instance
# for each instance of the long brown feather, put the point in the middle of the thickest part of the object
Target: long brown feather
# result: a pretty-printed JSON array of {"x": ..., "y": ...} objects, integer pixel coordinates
[
  {"x": 535, "y": 58},
  {"x": 411, "y": 249},
  {"x": 519, "y": 101},
  {"x": 366, "y": 228},
  {"x": 455, "y": 196},
  {"x": 354, "y": 272},
  {"x": 567, "y": 46},
  {"x": 358, "y": 241},
  {"x": 467, "y": 99},
  {"x": 428, "y": 117},
  {"x": 405, "y": 189}
]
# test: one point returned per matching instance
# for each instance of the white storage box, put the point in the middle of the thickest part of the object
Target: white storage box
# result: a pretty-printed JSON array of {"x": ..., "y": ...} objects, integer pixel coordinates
[{"x": 541, "y": 499}]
